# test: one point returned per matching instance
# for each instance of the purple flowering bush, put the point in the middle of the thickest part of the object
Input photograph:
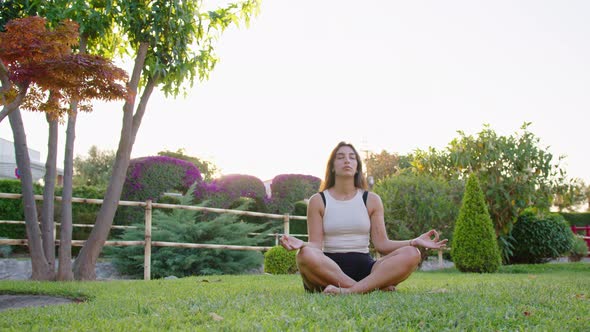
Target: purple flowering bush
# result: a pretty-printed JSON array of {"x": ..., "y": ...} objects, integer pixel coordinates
[
  {"x": 150, "y": 177},
  {"x": 228, "y": 189},
  {"x": 286, "y": 189}
]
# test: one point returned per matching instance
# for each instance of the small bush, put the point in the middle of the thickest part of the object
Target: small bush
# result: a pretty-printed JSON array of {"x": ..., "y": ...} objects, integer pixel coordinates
[
  {"x": 538, "y": 239},
  {"x": 474, "y": 247},
  {"x": 579, "y": 250},
  {"x": 279, "y": 260}
]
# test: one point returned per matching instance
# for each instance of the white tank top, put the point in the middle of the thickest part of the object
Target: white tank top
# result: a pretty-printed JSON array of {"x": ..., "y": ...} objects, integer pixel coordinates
[{"x": 346, "y": 225}]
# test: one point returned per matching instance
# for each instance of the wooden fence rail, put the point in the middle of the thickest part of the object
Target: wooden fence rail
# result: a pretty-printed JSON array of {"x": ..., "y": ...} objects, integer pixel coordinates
[{"x": 147, "y": 243}]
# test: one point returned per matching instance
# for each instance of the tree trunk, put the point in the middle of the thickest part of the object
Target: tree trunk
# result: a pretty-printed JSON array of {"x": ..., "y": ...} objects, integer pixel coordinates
[
  {"x": 65, "y": 237},
  {"x": 40, "y": 266},
  {"x": 48, "y": 206},
  {"x": 85, "y": 264}
]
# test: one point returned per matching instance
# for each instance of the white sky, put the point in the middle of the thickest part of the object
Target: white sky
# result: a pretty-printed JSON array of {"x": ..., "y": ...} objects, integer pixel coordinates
[{"x": 393, "y": 75}]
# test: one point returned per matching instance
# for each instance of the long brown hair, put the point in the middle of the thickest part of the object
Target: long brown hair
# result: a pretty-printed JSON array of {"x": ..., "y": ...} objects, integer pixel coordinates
[{"x": 330, "y": 177}]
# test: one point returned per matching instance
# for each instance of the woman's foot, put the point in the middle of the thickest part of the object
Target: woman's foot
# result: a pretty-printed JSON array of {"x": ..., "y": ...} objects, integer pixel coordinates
[
  {"x": 388, "y": 289},
  {"x": 333, "y": 290}
]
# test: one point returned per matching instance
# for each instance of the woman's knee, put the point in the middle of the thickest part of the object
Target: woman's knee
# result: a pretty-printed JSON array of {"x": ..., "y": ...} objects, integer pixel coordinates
[
  {"x": 308, "y": 256},
  {"x": 412, "y": 255}
]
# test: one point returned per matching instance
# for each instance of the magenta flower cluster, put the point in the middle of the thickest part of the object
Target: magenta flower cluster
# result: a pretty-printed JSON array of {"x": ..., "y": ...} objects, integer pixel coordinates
[{"x": 228, "y": 188}]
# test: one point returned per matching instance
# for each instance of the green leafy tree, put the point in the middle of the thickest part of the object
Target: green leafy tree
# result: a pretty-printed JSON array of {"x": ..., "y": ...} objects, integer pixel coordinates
[
  {"x": 208, "y": 169},
  {"x": 515, "y": 172},
  {"x": 172, "y": 45},
  {"x": 94, "y": 169},
  {"x": 569, "y": 194},
  {"x": 475, "y": 248},
  {"x": 382, "y": 165},
  {"x": 416, "y": 203}
]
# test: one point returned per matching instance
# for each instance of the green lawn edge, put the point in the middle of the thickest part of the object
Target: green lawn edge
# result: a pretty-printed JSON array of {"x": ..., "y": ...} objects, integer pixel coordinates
[{"x": 520, "y": 297}]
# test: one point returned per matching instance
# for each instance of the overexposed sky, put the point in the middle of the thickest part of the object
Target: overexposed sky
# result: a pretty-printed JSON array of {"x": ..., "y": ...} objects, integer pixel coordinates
[{"x": 393, "y": 75}]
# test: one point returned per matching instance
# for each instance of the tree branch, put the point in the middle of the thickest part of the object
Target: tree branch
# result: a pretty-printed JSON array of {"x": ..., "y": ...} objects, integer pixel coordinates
[{"x": 7, "y": 109}]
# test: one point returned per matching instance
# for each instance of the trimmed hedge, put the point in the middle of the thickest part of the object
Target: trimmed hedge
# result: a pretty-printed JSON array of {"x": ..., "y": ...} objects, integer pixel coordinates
[
  {"x": 475, "y": 248},
  {"x": 12, "y": 209},
  {"x": 577, "y": 218}
]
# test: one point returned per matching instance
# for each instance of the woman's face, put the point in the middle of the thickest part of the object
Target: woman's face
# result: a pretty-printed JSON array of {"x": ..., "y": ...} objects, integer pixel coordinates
[{"x": 345, "y": 162}]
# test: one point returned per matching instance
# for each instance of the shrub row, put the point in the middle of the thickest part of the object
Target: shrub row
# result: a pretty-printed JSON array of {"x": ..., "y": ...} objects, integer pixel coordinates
[{"x": 577, "y": 218}]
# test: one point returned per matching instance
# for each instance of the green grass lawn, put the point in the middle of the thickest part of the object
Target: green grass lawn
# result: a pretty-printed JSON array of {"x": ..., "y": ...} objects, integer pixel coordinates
[{"x": 550, "y": 297}]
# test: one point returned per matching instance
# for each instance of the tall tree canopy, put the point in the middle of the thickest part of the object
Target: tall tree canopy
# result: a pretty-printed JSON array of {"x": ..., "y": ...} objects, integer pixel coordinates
[{"x": 515, "y": 172}]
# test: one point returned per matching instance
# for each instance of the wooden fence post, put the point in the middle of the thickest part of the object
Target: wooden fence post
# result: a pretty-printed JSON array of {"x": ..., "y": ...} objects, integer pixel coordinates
[
  {"x": 148, "y": 241},
  {"x": 286, "y": 224}
]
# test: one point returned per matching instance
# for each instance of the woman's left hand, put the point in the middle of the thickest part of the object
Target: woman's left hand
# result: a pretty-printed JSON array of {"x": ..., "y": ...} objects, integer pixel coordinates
[{"x": 429, "y": 240}]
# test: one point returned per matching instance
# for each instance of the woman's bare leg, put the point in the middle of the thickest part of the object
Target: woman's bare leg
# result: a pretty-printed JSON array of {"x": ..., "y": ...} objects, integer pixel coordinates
[
  {"x": 318, "y": 270},
  {"x": 387, "y": 271}
]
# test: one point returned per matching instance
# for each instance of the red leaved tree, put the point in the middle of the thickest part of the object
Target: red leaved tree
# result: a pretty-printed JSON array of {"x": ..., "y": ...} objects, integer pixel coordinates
[{"x": 39, "y": 72}]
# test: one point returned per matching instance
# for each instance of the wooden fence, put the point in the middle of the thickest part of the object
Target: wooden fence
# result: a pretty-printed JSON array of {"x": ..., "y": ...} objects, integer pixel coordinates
[{"x": 147, "y": 242}]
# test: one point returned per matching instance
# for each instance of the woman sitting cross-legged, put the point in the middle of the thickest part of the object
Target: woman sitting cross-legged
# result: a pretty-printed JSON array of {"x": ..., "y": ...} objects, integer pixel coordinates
[{"x": 340, "y": 221}]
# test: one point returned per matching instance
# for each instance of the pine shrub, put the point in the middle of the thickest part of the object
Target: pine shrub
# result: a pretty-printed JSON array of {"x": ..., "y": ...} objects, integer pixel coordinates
[
  {"x": 540, "y": 238},
  {"x": 279, "y": 260},
  {"x": 474, "y": 247},
  {"x": 190, "y": 227}
]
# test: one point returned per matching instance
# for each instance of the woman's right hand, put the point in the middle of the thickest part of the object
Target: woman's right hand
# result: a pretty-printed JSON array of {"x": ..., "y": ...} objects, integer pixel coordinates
[{"x": 291, "y": 243}]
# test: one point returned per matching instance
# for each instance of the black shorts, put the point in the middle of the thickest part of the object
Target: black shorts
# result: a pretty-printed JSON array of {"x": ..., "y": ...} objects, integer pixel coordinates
[{"x": 356, "y": 265}]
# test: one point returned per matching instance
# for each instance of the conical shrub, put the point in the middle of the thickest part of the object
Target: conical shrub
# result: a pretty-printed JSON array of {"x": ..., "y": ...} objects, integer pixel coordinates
[{"x": 474, "y": 247}]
